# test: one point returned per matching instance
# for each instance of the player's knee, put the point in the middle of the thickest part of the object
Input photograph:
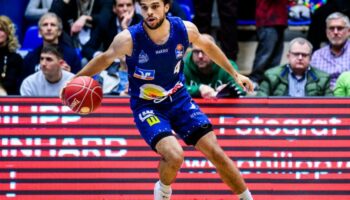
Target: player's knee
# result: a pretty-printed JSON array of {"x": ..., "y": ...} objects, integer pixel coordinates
[{"x": 175, "y": 157}]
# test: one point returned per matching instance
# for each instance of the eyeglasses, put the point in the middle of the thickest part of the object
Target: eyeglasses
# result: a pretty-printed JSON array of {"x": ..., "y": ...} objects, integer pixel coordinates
[
  {"x": 298, "y": 54},
  {"x": 338, "y": 28},
  {"x": 197, "y": 51}
]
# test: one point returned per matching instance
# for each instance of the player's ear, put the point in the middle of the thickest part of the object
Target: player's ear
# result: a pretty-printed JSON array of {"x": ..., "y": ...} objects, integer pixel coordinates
[{"x": 167, "y": 7}]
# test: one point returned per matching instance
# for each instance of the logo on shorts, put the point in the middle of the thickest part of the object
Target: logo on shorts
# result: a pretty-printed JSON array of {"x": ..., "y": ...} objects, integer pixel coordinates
[{"x": 148, "y": 115}]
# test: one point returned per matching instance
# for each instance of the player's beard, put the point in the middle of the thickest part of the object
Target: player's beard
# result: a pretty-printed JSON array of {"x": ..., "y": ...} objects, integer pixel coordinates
[{"x": 157, "y": 25}]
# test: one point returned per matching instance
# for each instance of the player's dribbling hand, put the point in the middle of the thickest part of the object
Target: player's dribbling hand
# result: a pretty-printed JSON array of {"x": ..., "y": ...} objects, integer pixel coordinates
[{"x": 244, "y": 82}]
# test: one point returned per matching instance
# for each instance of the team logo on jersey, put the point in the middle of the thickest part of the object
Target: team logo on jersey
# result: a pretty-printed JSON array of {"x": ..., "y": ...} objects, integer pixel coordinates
[
  {"x": 144, "y": 74},
  {"x": 179, "y": 51},
  {"x": 143, "y": 57},
  {"x": 149, "y": 116}
]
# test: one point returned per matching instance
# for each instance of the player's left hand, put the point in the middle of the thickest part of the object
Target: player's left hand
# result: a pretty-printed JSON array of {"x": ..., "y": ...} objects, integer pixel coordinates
[{"x": 244, "y": 82}]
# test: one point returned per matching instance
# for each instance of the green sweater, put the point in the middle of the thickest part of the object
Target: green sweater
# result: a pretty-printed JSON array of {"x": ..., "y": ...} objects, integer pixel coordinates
[
  {"x": 342, "y": 86},
  {"x": 194, "y": 78},
  {"x": 275, "y": 83}
]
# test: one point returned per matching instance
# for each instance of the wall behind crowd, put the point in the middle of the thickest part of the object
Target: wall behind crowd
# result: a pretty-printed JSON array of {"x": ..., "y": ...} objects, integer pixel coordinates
[{"x": 15, "y": 10}]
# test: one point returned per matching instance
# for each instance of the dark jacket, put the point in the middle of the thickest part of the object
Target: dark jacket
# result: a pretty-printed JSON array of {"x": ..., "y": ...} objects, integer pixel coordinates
[
  {"x": 12, "y": 80},
  {"x": 32, "y": 60},
  {"x": 275, "y": 82},
  {"x": 102, "y": 36},
  {"x": 101, "y": 10}
]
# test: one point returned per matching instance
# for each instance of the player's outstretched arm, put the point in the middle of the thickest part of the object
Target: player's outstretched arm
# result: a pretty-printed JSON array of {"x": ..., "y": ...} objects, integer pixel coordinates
[
  {"x": 216, "y": 54},
  {"x": 121, "y": 46}
]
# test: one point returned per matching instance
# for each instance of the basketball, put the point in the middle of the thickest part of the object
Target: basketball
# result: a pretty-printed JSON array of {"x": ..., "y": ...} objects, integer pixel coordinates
[{"x": 83, "y": 95}]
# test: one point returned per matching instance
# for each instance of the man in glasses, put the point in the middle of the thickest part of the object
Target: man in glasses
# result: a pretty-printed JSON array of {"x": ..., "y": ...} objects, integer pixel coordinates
[
  {"x": 334, "y": 58},
  {"x": 204, "y": 78},
  {"x": 296, "y": 78}
]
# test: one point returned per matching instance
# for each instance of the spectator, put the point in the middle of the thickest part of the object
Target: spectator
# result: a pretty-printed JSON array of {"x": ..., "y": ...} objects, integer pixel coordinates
[
  {"x": 342, "y": 86},
  {"x": 271, "y": 21},
  {"x": 10, "y": 62},
  {"x": 81, "y": 16},
  {"x": 318, "y": 18},
  {"x": 37, "y": 8},
  {"x": 51, "y": 78},
  {"x": 204, "y": 78},
  {"x": 334, "y": 58},
  {"x": 124, "y": 16},
  {"x": 297, "y": 78},
  {"x": 228, "y": 26},
  {"x": 50, "y": 28}
]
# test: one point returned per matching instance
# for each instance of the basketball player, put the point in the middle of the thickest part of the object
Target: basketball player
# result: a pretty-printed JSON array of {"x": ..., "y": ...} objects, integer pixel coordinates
[{"x": 153, "y": 50}]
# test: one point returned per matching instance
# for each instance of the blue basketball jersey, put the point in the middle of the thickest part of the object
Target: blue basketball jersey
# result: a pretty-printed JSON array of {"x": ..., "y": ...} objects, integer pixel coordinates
[{"x": 156, "y": 71}]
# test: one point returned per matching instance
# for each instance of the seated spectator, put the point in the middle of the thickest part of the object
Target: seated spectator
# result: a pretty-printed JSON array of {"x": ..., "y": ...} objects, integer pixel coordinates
[
  {"x": 10, "y": 62},
  {"x": 204, "y": 78},
  {"x": 124, "y": 16},
  {"x": 334, "y": 58},
  {"x": 297, "y": 78},
  {"x": 342, "y": 86},
  {"x": 50, "y": 28},
  {"x": 318, "y": 18},
  {"x": 114, "y": 79},
  {"x": 80, "y": 17},
  {"x": 51, "y": 78},
  {"x": 37, "y": 8}
]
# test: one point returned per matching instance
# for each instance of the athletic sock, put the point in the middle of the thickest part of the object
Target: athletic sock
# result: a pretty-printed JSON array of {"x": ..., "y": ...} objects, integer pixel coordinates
[
  {"x": 165, "y": 188},
  {"x": 246, "y": 195}
]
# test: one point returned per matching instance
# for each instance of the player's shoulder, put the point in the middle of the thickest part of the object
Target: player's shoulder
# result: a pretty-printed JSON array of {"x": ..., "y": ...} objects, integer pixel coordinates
[{"x": 192, "y": 31}]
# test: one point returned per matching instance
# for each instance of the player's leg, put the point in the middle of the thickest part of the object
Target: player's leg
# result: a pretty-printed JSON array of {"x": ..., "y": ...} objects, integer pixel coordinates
[
  {"x": 171, "y": 159},
  {"x": 156, "y": 130},
  {"x": 226, "y": 168}
]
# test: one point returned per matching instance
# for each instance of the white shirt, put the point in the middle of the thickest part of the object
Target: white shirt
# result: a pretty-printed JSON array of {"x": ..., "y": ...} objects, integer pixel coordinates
[{"x": 37, "y": 85}]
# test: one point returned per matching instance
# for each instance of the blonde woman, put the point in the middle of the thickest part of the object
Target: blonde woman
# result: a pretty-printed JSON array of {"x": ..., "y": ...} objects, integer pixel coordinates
[{"x": 10, "y": 62}]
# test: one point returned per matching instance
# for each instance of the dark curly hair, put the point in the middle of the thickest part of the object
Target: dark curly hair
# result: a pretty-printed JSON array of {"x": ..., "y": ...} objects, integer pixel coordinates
[{"x": 165, "y": 1}]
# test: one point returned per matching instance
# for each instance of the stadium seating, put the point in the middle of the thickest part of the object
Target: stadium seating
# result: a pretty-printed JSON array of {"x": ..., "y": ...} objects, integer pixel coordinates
[{"x": 32, "y": 39}]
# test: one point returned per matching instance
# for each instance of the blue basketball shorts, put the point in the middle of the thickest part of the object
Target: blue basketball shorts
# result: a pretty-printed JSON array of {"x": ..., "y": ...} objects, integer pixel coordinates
[{"x": 178, "y": 113}]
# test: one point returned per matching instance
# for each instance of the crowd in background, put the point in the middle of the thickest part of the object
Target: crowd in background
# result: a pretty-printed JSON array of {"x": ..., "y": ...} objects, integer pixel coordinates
[{"x": 74, "y": 31}]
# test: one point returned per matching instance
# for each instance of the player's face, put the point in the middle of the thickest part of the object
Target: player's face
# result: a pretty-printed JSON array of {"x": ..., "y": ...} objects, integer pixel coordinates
[
  {"x": 299, "y": 57},
  {"x": 50, "y": 65},
  {"x": 337, "y": 32},
  {"x": 49, "y": 30},
  {"x": 153, "y": 12},
  {"x": 122, "y": 7}
]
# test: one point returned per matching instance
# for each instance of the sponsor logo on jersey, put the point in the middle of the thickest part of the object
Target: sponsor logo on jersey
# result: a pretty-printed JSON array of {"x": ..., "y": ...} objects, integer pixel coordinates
[
  {"x": 143, "y": 57},
  {"x": 162, "y": 51},
  {"x": 144, "y": 74},
  {"x": 151, "y": 92},
  {"x": 179, "y": 51}
]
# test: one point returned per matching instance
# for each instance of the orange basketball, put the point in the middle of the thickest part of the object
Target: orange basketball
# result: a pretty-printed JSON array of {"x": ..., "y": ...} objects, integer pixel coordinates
[{"x": 83, "y": 95}]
